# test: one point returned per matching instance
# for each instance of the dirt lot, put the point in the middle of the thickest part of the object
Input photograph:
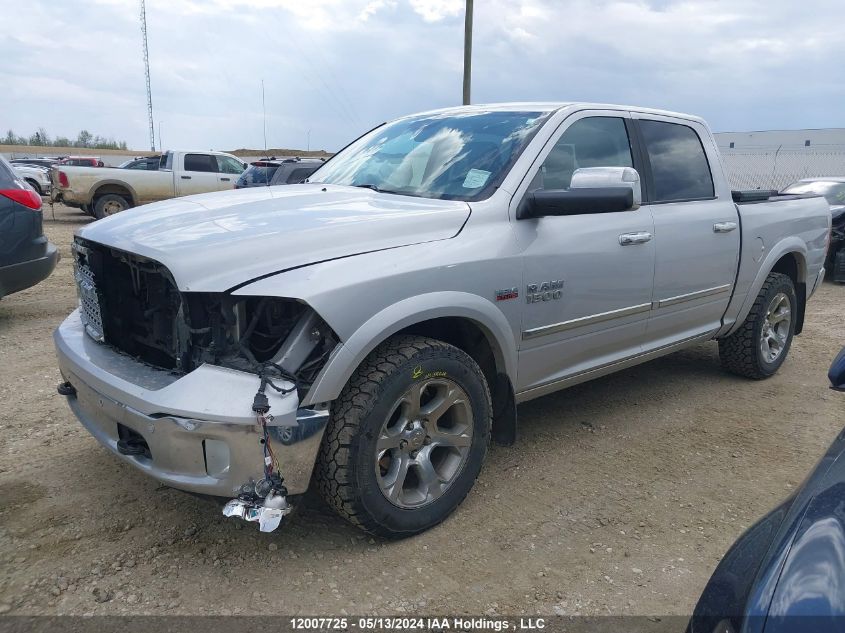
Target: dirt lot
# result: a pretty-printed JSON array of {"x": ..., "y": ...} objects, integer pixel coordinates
[{"x": 619, "y": 498}]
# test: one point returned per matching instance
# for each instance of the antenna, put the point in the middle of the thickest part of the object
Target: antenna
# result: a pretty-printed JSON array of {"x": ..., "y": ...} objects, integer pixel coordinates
[
  {"x": 147, "y": 75},
  {"x": 264, "y": 110}
]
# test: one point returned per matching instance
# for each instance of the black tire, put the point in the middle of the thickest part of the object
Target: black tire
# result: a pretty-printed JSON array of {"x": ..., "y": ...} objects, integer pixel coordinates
[
  {"x": 346, "y": 466},
  {"x": 34, "y": 184},
  {"x": 109, "y": 204},
  {"x": 741, "y": 352}
]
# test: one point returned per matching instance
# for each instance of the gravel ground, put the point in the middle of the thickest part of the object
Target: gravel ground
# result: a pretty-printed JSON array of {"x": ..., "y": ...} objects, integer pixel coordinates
[{"x": 619, "y": 498}]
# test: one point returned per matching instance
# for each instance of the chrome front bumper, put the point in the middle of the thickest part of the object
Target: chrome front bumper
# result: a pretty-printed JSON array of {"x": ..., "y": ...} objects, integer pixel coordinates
[{"x": 200, "y": 429}]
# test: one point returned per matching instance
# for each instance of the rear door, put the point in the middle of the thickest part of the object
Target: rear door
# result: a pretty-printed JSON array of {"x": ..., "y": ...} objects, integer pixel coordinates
[
  {"x": 198, "y": 175},
  {"x": 696, "y": 233},
  {"x": 586, "y": 296}
]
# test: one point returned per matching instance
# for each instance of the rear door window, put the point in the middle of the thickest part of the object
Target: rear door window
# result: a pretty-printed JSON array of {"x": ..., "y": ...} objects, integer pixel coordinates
[
  {"x": 679, "y": 166},
  {"x": 299, "y": 174},
  {"x": 7, "y": 175}
]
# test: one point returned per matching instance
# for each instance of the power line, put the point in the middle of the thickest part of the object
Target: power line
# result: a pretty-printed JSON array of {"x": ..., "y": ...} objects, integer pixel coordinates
[{"x": 147, "y": 75}]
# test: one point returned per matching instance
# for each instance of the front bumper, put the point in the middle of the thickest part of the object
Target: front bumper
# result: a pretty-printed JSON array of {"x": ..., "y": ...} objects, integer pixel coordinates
[{"x": 201, "y": 432}]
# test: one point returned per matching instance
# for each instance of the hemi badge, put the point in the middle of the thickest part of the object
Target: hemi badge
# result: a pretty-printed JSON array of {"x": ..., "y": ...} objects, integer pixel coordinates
[{"x": 507, "y": 293}]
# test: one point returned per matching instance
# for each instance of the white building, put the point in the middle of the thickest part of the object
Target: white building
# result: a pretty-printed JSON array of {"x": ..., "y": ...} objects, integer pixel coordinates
[{"x": 771, "y": 159}]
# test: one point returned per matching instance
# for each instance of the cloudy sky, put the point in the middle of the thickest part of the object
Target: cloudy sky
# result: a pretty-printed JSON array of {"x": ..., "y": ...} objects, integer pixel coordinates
[{"x": 338, "y": 67}]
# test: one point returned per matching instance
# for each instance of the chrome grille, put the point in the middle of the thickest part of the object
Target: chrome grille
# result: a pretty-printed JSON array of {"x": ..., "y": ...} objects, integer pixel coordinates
[{"x": 86, "y": 289}]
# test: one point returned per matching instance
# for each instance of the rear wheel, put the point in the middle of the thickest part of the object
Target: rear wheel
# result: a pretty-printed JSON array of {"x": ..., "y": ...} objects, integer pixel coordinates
[
  {"x": 109, "y": 204},
  {"x": 407, "y": 437},
  {"x": 759, "y": 347}
]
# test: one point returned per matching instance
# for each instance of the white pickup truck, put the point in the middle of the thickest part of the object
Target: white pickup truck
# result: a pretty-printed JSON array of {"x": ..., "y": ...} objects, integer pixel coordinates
[
  {"x": 392, "y": 311},
  {"x": 104, "y": 191}
]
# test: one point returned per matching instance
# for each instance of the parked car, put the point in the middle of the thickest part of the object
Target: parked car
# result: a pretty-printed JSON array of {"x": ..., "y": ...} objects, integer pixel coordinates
[
  {"x": 278, "y": 171},
  {"x": 26, "y": 257},
  {"x": 833, "y": 189},
  {"x": 36, "y": 177},
  {"x": 434, "y": 273},
  {"x": 148, "y": 163},
  {"x": 786, "y": 573},
  {"x": 108, "y": 191},
  {"x": 39, "y": 162},
  {"x": 80, "y": 161}
]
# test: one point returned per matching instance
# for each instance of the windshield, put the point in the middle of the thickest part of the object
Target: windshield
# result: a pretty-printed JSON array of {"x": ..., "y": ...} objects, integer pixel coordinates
[
  {"x": 834, "y": 192},
  {"x": 452, "y": 156}
]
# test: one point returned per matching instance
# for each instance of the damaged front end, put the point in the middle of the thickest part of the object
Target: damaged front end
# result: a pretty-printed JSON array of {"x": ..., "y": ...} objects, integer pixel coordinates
[{"x": 132, "y": 305}]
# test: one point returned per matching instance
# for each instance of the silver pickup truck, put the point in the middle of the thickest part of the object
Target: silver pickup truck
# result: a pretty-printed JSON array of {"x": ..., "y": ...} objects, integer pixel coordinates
[{"x": 376, "y": 326}]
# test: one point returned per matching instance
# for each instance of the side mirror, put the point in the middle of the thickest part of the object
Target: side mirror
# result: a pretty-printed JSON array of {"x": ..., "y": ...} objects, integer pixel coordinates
[
  {"x": 592, "y": 190},
  {"x": 837, "y": 372}
]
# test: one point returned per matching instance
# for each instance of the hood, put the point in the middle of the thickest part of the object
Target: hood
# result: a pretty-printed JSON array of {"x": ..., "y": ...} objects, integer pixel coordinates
[{"x": 213, "y": 242}]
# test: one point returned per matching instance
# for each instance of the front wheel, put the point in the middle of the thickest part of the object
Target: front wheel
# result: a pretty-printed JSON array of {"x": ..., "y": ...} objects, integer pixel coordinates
[
  {"x": 760, "y": 345},
  {"x": 407, "y": 437}
]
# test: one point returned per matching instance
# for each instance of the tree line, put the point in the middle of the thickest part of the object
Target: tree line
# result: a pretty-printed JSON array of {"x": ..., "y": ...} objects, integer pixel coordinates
[{"x": 40, "y": 138}]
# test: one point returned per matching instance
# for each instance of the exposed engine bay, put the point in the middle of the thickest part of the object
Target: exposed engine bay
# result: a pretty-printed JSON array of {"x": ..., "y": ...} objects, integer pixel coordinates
[
  {"x": 133, "y": 304},
  {"x": 142, "y": 313}
]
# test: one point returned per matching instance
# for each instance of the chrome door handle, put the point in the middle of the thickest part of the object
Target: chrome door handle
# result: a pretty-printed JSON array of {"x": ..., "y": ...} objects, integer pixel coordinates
[
  {"x": 724, "y": 227},
  {"x": 626, "y": 239}
]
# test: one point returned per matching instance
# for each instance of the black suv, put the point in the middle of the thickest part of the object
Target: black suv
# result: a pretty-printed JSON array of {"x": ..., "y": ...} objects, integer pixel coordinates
[
  {"x": 278, "y": 171},
  {"x": 26, "y": 257}
]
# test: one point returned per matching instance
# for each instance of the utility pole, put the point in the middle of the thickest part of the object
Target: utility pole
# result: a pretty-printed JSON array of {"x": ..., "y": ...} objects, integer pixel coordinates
[
  {"x": 147, "y": 76},
  {"x": 467, "y": 51},
  {"x": 264, "y": 110},
  {"x": 308, "y": 143}
]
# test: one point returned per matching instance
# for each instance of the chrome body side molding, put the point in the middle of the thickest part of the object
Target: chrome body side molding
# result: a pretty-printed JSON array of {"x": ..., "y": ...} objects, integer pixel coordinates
[
  {"x": 582, "y": 321},
  {"x": 691, "y": 296}
]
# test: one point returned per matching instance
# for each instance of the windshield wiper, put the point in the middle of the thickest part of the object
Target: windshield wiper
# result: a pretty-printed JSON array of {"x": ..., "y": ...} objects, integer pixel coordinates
[{"x": 369, "y": 185}]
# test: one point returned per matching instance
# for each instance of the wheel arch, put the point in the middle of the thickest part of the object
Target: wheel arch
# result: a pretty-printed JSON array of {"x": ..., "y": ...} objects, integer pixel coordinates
[
  {"x": 117, "y": 187},
  {"x": 794, "y": 266},
  {"x": 467, "y": 321},
  {"x": 790, "y": 258}
]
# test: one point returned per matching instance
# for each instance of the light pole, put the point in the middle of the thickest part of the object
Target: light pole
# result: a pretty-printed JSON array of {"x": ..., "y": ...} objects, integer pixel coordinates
[
  {"x": 467, "y": 51},
  {"x": 160, "y": 146},
  {"x": 308, "y": 143}
]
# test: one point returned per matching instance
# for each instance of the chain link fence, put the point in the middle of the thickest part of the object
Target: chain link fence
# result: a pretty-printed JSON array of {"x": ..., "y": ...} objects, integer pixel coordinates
[{"x": 775, "y": 168}]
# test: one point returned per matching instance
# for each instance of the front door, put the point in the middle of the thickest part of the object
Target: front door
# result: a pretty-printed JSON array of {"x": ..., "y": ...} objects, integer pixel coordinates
[
  {"x": 696, "y": 233},
  {"x": 588, "y": 290}
]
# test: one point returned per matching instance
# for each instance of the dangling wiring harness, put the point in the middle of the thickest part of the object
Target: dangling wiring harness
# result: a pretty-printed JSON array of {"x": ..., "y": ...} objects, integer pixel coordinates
[{"x": 264, "y": 501}]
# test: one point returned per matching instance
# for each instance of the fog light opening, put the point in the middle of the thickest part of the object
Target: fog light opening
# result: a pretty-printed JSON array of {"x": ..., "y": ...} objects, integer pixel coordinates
[{"x": 216, "y": 454}]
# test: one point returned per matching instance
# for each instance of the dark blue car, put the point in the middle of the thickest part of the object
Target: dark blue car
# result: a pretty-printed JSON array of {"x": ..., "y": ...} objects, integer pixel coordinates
[
  {"x": 786, "y": 574},
  {"x": 26, "y": 257}
]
